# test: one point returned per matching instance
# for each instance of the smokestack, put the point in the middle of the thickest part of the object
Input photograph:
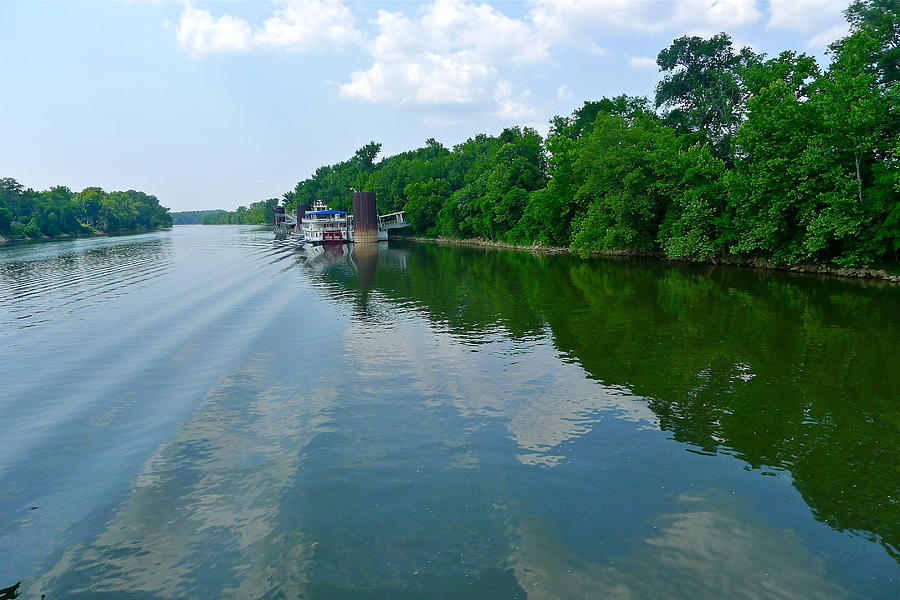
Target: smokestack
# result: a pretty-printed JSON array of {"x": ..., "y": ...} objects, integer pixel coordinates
[{"x": 365, "y": 218}]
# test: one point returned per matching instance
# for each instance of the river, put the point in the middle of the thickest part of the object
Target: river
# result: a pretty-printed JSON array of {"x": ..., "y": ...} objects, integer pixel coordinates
[{"x": 208, "y": 413}]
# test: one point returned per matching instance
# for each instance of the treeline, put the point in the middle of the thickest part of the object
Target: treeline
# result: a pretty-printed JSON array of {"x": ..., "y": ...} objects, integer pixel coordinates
[
  {"x": 27, "y": 213},
  {"x": 737, "y": 154},
  {"x": 257, "y": 212},
  {"x": 192, "y": 217}
]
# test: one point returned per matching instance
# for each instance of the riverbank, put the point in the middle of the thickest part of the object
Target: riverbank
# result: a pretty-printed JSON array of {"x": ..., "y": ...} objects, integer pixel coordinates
[
  {"x": 737, "y": 261},
  {"x": 66, "y": 236}
]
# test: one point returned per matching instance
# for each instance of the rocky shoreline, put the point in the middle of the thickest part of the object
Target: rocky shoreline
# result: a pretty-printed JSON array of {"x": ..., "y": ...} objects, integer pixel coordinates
[{"x": 738, "y": 261}]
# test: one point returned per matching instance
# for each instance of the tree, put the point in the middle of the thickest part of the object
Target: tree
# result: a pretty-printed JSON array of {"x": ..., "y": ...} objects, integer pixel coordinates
[
  {"x": 696, "y": 222},
  {"x": 702, "y": 90},
  {"x": 798, "y": 70},
  {"x": 615, "y": 163},
  {"x": 117, "y": 212},
  {"x": 881, "y": 20},
  {"x": 792, "y": 198},
  {"x": 10, "y": 195},
  {"x": 5, "y": 219},
  {"x": 582, "y": 120},
  {"x": 89, "y": 203},
  {"x": 549, "y": 211},
  {"x": 364, "y": 158},
  {"x": 424, "y": 202}
]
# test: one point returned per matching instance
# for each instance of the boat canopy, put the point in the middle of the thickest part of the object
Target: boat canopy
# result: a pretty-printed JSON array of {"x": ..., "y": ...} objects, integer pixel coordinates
[{"x": 326, "y": 212}]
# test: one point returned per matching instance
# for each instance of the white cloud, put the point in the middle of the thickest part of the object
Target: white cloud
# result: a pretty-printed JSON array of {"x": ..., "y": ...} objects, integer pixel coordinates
[
  {"x": 596, "y": 50},
  {"x": 641, "y": 62},
  {"x": 451, "y": 53},
  {"x": 805, "y": 15},
  {"x": 563, "y": 92},
  {"x": 823, "y": 20},
  {"x": 423, "y": 79},
  {"x": 301, "y": 24},
  {"x": 578, "y": 21},
  {"x": 295, "y": 25},
  {"x": 481, "y": 29},
  {"x": 509, "y": 106},
  {"x": 199, "y": 32}
]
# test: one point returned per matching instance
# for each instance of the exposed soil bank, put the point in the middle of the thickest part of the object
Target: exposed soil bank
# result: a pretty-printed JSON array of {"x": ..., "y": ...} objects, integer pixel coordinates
[{"x": 739, "y": 261}]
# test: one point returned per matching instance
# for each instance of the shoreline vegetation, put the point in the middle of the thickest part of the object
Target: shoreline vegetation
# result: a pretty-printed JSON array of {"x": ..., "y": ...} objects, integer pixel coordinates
[
  {"x": 258, "y": 213},
  {"x": 880, "y": 274},
  {"x": 739, "y": 158},
  {"x": 27, "y": 214}
]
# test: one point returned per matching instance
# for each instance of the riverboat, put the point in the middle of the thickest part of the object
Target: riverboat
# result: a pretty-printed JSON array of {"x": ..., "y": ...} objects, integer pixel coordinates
[{"x": 323, "y": 225}]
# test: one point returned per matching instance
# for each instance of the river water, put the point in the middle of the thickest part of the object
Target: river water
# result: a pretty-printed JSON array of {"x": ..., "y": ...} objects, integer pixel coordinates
[{"x": 208, "y": 413}]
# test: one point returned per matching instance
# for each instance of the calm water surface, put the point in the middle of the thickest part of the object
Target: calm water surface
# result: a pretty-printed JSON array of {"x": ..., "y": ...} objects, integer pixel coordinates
[{"x": 208, "y": 413}]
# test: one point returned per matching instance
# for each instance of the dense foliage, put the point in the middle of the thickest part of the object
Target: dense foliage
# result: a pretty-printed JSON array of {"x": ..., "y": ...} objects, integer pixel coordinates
[
  {"x": 739, "y": 153},
  {"x": 257, "y": 212},
  {"x": 25, "y": 212},
  {"x": 192, "y": 217}
]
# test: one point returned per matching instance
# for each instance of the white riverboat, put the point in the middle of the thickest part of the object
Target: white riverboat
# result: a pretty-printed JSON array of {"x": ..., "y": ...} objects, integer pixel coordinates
[{"x": 323, "y": 225}]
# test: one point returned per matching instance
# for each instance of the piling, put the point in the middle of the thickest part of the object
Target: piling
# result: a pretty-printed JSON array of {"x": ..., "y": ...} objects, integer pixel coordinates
[{"x": 365, "y": 218}]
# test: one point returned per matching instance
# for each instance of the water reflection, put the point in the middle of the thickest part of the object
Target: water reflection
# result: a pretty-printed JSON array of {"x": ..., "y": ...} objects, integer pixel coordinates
[
  {"x": 786, "y": 373},
  {"x": 708, "y": 545},
  {"x": 409, "y": 421},
  {"x": 215, "y": 488}
]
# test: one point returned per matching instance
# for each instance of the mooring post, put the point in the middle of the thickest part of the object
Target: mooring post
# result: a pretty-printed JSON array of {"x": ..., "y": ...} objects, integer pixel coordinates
[{"x": 365, "y": 218}]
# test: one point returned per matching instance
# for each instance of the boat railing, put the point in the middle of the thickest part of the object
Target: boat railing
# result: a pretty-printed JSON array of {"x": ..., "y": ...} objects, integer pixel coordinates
[{"x": 389, "y": 221}]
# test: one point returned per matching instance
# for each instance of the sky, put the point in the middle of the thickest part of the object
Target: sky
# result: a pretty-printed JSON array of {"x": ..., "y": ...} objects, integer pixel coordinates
[{"x": 219, "y": 104}]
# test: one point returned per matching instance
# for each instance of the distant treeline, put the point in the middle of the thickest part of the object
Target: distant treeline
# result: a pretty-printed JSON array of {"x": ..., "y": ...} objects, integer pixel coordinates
[
  {"x": 193, "y": 217},
  {"x": 738, "y": 153},
  {"x": 25, "y": 212},
  {"x": 257, "y": 212}
]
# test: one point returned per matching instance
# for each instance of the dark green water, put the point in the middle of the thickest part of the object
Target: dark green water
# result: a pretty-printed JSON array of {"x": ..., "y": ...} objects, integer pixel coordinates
[{"x": 207, "y": 413}]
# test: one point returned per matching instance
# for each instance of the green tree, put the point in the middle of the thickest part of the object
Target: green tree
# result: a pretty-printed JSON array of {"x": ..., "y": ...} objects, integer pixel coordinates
[
  {"x": 881, "y": 20},
  {"x": 11, "y": 195},
  {"x": 424, "y": 202},
  {"x": 5, "y": 219},
  {"x": 89, "y": 203},
  {"x": 615, "y": 162},
  {"x": 582, "y": 120},
  {"x": 696, "y": 223},
  {"x": 702, "y": 89}
]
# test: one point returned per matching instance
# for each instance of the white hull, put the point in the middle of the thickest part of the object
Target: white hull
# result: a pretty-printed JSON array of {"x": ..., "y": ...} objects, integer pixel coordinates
[{"x": 325, "y": 226}]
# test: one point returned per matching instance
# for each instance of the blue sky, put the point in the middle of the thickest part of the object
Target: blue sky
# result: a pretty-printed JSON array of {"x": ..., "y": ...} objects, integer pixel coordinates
[{"x": 213, "y": 105}]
